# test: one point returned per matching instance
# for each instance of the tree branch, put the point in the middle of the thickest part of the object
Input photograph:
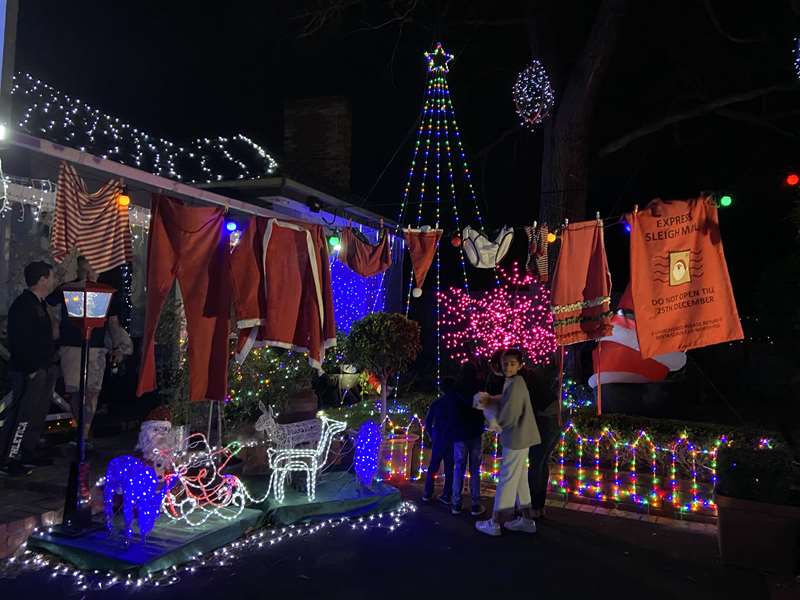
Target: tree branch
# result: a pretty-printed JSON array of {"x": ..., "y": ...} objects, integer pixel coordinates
[
  {"x": 721, "y": 30},
  {"x": 500, "y": 139},
  {"x": 692, "y": 113},
  {"x": 757, "y": 121}
]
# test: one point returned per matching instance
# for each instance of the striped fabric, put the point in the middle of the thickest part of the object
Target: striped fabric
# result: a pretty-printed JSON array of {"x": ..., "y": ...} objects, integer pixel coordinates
[{"x": 91, "y": 222}]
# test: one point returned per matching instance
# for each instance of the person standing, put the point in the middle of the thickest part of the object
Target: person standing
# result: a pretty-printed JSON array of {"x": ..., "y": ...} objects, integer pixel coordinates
[
  {"x": 518, "y": 435},
  {"x": 32, "y": 371},
  {"x": 71, "y": 341},
  {"x": 468, "y": 442},
  {"x": 543, "y": 385},
  {"x": 439, "y": 425}
]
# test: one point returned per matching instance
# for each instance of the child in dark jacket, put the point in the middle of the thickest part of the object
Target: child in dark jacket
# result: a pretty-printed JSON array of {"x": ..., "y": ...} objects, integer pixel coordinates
[
  {"x": 439, "y": 424},
  {"x": 467, "y": 438}
]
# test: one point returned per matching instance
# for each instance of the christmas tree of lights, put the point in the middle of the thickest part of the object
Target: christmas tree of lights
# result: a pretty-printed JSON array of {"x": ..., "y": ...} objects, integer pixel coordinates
[
  {"x": 516, "y": 314},
  {"x": 438, "y": 157}
]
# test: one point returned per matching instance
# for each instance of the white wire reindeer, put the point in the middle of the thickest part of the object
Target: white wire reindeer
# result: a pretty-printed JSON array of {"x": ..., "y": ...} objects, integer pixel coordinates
[
  {"x": 310, "y": 461},
  {"x": 287, "y": 436}
]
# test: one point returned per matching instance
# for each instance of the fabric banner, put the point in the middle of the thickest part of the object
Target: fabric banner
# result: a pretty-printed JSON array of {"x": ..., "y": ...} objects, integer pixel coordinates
[
  {"x": 422, "y": 248},
  {"x": 581, "y": 285},
  {"x": 682, "y": 294}
]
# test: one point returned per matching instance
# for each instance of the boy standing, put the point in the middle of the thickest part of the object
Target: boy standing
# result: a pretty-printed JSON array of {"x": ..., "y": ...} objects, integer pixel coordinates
[
  {"x": 519, "y": 434},
  {"x": 439, "y": 424},
  {"x": 468, "y": 446}
]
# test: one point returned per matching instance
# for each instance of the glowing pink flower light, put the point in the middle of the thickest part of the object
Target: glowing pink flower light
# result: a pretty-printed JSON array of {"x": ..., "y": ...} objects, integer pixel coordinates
[{"x": 515, "y": 314}]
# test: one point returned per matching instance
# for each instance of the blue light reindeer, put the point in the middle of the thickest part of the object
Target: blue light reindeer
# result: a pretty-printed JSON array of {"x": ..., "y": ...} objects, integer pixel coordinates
[{"x": 141, "y": 496}]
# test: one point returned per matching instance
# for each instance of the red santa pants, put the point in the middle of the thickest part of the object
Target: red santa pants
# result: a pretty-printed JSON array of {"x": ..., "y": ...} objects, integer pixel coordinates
[{"x": 188, "y": 243}]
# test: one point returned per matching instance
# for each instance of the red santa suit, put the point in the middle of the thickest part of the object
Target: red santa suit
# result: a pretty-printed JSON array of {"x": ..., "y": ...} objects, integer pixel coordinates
[{"x": 292, "y": 307}]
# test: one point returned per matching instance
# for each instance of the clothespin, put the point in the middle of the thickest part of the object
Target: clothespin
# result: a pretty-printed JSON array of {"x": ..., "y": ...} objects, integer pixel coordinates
[
  {"x": 635, "y": 209},
  {"x": 381, "y": 223},
  {"x": 599, "y": 220}
]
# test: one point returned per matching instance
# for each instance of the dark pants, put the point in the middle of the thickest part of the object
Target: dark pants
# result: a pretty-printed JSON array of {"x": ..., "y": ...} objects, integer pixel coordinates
[
  {"x": 472, "y": 451},
  {"x": 539, "y": 460},
  {"x": 24, "y": 419},
  {"x": 441, "y": 451}
]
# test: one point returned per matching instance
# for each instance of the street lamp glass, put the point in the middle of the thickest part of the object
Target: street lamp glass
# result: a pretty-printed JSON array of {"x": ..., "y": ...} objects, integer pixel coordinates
[
  {"x": 97, "y": 304},
  {"x": 74, "y": 302}
]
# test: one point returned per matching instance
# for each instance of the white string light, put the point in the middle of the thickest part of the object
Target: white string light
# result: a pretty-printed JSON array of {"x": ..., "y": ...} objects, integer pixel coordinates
[
  {"x": 306, "y": 460},
  {"x": 67, "y": 120},
  {"x": 29, "y": 561},
  {"x": 533, "y": 94}
]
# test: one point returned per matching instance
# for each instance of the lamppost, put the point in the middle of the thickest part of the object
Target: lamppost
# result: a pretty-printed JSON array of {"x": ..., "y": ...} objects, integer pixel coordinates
[{"x": 87, "y": 306}]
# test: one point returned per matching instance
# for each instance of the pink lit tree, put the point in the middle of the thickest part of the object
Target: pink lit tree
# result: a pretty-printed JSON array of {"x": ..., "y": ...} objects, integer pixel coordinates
[{"x": 515, "y": 314}]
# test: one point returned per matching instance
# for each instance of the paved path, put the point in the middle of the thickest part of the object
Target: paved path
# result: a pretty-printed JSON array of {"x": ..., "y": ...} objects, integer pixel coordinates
[{"x": 436, "y": 555}]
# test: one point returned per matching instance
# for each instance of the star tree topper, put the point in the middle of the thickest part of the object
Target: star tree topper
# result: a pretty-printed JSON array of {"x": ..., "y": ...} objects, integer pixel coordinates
[{"x": 438, "y": 60}]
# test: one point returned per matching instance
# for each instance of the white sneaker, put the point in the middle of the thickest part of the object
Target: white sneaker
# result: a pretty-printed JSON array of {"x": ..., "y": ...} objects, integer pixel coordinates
[
  {"x": 521, "y": 524},
  {"x": 489, "y": 527}
]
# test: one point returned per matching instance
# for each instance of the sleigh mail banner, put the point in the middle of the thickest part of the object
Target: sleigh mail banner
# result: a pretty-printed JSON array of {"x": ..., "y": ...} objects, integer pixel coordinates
[{"x": 682, "y": 294}]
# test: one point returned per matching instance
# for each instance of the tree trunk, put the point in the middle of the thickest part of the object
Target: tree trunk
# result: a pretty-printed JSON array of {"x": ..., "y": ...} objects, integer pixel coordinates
[
  {"x": 565, "y": 169},
  {"x": 384, "y": 395}
]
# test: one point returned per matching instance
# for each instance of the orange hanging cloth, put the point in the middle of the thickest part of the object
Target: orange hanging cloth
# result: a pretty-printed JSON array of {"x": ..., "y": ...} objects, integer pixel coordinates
[
  {"x": 422, "y": 248},
  {"x": 362, "y": 257},
  {"x": 581, "y": 285},
  {"x": 682, "y": 294}
]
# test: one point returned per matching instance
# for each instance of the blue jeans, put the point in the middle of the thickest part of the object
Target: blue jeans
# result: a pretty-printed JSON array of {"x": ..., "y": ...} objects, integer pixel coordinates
[
  {"x": 467, "y": 450},
  {"x": 440, "y": 452},
  {"x": 539, "y": 460}
]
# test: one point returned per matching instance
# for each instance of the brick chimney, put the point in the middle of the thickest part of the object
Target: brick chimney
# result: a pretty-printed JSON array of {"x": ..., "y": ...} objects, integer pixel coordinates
[{"x": 317, "y": 141}]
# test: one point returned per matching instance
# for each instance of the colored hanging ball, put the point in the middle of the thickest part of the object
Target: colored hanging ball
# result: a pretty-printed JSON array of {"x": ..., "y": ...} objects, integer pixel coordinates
[
  {"x": 725, "y": 201},
  {"x": 456, "y": 240},
  {"x": 792, "y": 179},
  {"x": 551, "y": 237},
  {"x": 417, "y": 292},
  {"x": 230, "y": 226}
]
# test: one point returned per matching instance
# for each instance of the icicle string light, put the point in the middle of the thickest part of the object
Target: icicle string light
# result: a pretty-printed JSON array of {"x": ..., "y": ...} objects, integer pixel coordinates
[{"x": 69, "y": 121}]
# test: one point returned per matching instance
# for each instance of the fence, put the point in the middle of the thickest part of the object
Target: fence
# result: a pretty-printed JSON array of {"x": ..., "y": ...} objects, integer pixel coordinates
[{"x": 604, "y": 466}]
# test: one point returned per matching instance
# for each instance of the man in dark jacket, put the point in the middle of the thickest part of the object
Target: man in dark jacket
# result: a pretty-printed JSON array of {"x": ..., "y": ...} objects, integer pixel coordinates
[
  {"x": 468, "y": 440},
  {"x": 543, "y": 384},
  {"x": 32, "y": 371},
  {"x": 439, "y": 424}
]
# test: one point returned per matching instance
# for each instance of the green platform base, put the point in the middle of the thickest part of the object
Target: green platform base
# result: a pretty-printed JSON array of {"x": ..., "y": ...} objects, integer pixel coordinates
[
  {"x": 338, "y": 495},
  {"x": 170, "y": 543}
]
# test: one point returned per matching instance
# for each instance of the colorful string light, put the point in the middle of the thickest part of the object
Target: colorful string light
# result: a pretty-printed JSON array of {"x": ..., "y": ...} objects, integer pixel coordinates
[{"x": 438, "y": 146}]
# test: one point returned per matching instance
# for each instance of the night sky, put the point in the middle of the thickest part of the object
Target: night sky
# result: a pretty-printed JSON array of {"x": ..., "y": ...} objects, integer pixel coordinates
[{"x": 183, "y": 70}]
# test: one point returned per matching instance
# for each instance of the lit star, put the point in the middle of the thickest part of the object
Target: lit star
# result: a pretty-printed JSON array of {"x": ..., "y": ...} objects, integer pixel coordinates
[{"x": 438, "y": 60}]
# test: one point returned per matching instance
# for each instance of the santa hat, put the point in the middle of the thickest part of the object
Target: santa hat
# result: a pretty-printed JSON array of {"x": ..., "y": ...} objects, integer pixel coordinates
[
  {"x": 422, "y": 244},
  {"x": 160, "y": 413}
]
